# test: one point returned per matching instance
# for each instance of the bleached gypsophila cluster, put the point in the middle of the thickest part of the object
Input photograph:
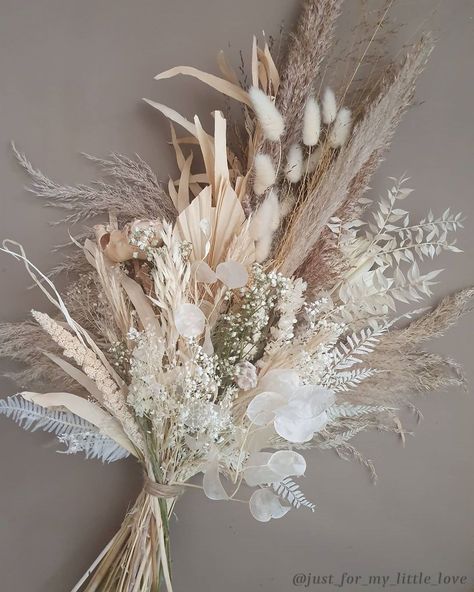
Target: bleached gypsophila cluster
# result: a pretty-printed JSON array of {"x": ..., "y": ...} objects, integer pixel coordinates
[
  {"x": 146, "y": 394},
  {"x": 190, "y": 394},
  {"x": 205, "y": 408},
  {"x": 145, "y": 235},
  {"x": 288, "y": 305},
  {"x": 241, "y": 330}
]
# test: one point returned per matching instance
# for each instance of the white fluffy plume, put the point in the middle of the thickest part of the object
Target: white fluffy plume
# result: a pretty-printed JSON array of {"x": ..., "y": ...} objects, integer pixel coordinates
[
  {"x": 329, "y": 106},
  {"x": 268, "y": 115},
  {"x": 341, "y": 129},
  {"x": 311, "y": 122},
  {"x": 294, "y": 164},
  {"x": 264, "y": 223},
  {"x": 265, "y": 174}
]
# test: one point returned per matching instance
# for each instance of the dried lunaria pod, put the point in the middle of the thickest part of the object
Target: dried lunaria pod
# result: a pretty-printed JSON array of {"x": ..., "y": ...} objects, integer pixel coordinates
[
  {"x": 189, "y": 321},
  {"x": 246, "y": 375}
]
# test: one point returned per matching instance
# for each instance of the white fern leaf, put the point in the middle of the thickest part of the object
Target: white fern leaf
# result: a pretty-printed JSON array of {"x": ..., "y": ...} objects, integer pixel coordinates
[
  {"x": 288, "y": 490},
  {"x": 78, "y": 434},
  {"x": 351, "y": 411}
]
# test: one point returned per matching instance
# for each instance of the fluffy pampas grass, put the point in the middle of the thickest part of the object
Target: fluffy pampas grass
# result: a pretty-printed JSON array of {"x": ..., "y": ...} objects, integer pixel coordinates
[
  {"x": 268, "y": 115},
  {"x": 311, "y": 122},
  {"x": 265, "y": 174}
]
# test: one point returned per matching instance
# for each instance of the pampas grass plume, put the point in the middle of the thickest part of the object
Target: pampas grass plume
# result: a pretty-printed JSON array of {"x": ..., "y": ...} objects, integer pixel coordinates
[
  {"x": 311, "y": 122},
  {"x": 268, "y": 115},
  {"x": 341, "y": 129},
  {"x": 329, "y": 106},
  {"x": 294, "y": 164},
  {"x": 265, "y": 174}
]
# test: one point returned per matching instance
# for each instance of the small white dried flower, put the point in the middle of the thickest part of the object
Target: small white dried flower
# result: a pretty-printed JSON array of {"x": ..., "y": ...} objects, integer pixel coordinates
[
  {"x": 265, "y": 174},
  {"x": 311, "y": 122},
  {"x": 268, "y": 115},
  {"x": 294, "y": 164},
  {"x": 246, "y": 375},
  {"x": 341, "y": 129},
  {"x": 329, "y": 106}
]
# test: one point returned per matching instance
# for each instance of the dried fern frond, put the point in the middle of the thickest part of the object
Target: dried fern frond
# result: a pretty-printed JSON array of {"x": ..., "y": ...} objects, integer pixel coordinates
[{"x": 78, "y": 434}]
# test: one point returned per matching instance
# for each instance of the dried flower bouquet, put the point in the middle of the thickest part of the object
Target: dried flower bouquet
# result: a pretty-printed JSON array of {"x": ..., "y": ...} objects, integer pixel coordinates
[{"x": 246, "y": 312}]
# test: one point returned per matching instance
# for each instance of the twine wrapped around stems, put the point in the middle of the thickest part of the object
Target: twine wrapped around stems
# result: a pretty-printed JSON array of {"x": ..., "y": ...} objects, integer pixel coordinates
[{"x": 161, "y": 490}]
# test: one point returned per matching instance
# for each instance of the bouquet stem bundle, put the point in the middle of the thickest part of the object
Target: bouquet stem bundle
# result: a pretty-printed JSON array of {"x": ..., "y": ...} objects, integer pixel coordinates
[{"x": 137, "y": 559}]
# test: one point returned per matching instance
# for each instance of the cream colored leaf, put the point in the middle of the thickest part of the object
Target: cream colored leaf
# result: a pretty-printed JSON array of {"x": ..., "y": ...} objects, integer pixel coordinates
[
  {"x": 188, "y": 223},
  {"x": 77, "y": 375},
  {"x": 183, "y": 188},
  {"x": 223, "y": 86},
  {"x": 173, "y": 116},
  {"x": 221, "y": 171},
  {"x": 89, "y": 411},
  {"x": 254, "y": 62},
  {"x": 141, "y": 303},
  {"x": 226, "y": 69}
]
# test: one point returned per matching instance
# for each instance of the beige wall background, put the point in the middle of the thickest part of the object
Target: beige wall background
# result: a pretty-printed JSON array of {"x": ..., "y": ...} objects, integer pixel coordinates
[{"x": 71, "y": 77}]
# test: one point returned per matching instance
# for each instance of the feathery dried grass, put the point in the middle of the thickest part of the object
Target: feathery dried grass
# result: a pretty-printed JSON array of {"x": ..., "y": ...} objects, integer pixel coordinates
[
  {"x": 432, "y": 324},
  {"x": 26, "y": 342},
  {"x": 309, "y": 45},
  {"x": 402, "y": 369},
  {"x": 134, "y": 193},
  {"x": 370, "y": 137}
]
